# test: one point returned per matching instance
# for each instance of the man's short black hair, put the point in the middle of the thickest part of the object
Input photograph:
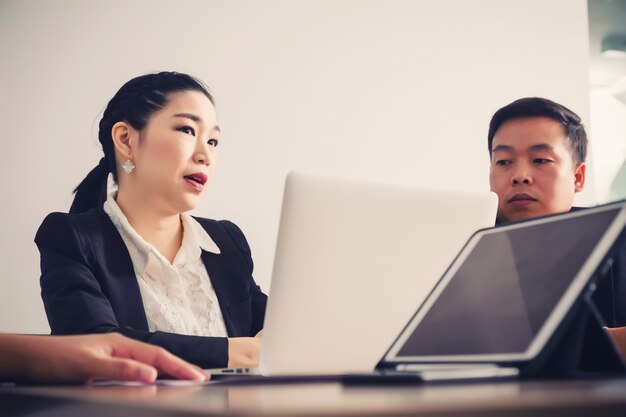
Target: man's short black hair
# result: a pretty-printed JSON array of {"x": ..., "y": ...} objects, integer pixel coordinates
[{"x": 542, "y": 107}]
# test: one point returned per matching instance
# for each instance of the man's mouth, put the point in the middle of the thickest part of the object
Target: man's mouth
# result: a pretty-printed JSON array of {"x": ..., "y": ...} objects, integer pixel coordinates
[{"x": 522, "y": 198}]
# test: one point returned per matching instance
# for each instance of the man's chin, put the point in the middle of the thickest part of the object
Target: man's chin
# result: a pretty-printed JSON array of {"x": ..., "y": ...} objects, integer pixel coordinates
[{"x": 518, "y": 214}]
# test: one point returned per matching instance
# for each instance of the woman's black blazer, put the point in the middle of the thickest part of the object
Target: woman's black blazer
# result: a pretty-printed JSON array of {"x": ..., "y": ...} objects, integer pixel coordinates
[{"x": 88, "y": 285}]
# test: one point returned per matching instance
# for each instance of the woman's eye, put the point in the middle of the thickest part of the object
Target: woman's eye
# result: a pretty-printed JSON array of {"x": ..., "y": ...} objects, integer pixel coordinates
[
  {"x": 213, "y": 142},
  {"x": 188, "y": 130}
]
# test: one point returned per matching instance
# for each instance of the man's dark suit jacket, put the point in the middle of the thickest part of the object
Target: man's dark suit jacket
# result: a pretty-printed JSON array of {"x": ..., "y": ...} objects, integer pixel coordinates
[{"x": 88, "y": 285}]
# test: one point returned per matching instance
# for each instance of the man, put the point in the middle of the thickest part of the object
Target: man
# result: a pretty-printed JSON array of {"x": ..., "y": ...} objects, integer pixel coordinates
[
  {"x": 537, "y": 149},
  {"x": 29, "y": 358}
]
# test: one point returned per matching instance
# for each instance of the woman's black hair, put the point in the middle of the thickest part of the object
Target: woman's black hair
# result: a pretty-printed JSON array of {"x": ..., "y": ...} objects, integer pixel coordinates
[{"x": 134, "y": 103}]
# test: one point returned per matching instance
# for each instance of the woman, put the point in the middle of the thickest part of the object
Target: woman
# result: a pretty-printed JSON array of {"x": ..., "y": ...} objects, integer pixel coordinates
[{"x": 132, "y": 261}]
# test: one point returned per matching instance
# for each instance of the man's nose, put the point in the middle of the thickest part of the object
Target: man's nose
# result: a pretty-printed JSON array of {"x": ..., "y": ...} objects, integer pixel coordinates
[{"x": 522, "y": 176}]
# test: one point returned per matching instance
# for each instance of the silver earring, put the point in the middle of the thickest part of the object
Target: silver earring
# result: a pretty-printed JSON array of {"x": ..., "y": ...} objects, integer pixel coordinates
[{"x": 128, "y": 166}]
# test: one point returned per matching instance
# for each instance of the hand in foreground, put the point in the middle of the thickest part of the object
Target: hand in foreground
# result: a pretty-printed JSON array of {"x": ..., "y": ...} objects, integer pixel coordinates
[
  {"x": 243, "y": 352},
  {"x": 82, "y": 358},
  {"x": 618, "y": 334}
]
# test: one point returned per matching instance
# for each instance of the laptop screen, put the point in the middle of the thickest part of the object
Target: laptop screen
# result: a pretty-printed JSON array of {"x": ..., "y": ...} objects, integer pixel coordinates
[{"x": 505, "y": 286}]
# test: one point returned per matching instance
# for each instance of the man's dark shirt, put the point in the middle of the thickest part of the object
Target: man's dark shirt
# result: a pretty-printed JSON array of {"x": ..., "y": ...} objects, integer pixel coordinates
[{"x": 610, "y": 296}]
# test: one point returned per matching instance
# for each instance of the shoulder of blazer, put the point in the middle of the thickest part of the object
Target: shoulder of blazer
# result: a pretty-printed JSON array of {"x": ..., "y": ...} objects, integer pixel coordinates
[
  {"x": 224, "y": 232},
  {"x": 64, "y": 230},
  {"x": 91, "y": 239}
]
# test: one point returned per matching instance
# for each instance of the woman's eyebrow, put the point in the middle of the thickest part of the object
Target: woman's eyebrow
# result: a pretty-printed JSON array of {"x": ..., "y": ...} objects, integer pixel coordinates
[
  {"x": 191, "y": 116},
  {"x": 196, "y": 119}
]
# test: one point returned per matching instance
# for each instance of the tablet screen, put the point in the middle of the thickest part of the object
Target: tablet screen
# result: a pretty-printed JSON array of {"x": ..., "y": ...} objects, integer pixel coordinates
[{"x": 501, "y": 290}]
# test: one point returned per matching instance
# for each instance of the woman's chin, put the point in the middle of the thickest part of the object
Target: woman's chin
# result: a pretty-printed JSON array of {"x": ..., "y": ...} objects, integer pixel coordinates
[{"x": 188, "y": 203}]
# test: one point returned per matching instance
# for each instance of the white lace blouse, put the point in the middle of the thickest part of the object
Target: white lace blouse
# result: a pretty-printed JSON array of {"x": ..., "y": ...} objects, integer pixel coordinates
[{"x": 177, "y": 297}]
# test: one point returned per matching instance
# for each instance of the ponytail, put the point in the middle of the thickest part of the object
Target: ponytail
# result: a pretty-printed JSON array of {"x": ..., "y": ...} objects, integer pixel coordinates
[{"x": 92, "y": 191}]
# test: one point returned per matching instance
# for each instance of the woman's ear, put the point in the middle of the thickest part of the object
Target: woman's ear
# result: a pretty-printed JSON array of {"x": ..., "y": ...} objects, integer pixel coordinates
[{"x": 123, "y": 136}]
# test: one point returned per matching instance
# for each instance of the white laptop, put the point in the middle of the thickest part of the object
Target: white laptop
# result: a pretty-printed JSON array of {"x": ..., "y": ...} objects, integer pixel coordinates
[
  {"x": 353, "y": 261},
  {"x": 509, "y": 297}
]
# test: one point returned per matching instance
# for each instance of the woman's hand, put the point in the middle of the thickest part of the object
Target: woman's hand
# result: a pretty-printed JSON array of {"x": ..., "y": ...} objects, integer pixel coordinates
[{"x": 243, "y": 352}]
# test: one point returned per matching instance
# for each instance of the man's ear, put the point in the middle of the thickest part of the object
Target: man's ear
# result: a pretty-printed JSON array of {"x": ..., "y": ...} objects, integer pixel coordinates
[
  {"x": 122, "y": 135},
  {"x": 579, "y": 177}
]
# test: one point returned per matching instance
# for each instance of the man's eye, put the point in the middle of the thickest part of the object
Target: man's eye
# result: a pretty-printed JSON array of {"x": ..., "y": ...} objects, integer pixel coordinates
[
  {"x": 188, "y": 130},
  {"x": 541, "y": 161},
  {"x": 213, "y": 142},
  {"x": 503, "y": 162}
]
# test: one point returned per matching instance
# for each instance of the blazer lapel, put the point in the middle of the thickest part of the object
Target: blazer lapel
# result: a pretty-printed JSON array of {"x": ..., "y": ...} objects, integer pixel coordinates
[
  {"x": 218, "y": 273},
  {"x": 123, "y": 289}
]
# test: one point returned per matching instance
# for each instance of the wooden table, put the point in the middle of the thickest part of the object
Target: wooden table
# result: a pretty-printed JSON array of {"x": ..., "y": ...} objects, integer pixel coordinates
[{"x": 600, "y": 397}]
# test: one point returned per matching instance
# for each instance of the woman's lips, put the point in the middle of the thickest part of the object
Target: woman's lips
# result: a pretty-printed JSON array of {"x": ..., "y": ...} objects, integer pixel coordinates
[
  {"x": 196, "y": 185},
  {"x": 199, "y": 177},
  {"x": 196, "y": 180}
]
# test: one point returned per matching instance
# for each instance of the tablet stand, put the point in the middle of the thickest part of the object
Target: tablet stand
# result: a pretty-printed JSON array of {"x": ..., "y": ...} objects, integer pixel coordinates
[{"x": 584, "y": 349}]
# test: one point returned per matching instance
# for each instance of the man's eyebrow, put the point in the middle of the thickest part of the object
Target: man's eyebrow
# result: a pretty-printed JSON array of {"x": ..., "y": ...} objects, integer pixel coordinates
[
  {"x": 537, "y": 147},
  {"x": 195, "y": 118},
  {"x": 502, "y": 148},
  {"x": 541, "y": 147}
]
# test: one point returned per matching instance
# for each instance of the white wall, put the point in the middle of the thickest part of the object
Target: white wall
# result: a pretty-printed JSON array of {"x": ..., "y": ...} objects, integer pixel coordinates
[
  {"x": 387, "y": 89},
  {"x": 608, "y": 139}
]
